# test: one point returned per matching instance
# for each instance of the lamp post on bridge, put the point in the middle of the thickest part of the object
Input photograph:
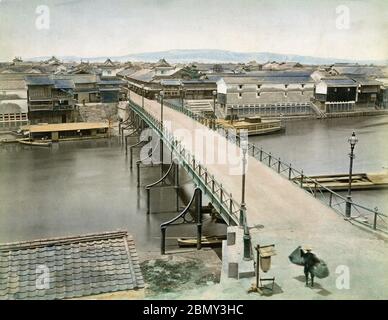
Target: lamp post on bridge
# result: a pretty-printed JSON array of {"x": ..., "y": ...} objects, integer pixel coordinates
[
  {"x": 181, "y": 93},
  {"x": 352, "y": 141},
  {"x": 214, "y": 109},
  {"x": 142, "y": 96},
  {"x": 243, "y": 210},
  {"x": 214, "y": 102},
  {"x": 161, "y": 94}
]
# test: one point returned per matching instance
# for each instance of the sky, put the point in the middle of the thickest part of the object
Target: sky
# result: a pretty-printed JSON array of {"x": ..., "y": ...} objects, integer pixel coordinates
[{"x": 355, "y": 29}]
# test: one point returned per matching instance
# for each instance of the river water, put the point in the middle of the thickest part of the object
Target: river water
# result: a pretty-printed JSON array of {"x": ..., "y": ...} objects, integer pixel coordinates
[{"x": 85, "y": 187}]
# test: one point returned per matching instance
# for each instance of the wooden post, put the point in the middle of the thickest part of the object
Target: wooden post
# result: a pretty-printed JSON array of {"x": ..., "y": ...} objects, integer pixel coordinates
[
  {"x": 301, "y": 179},
  {"x": 375, "y": 219},
  {"x": 177, "y": 185},
  {"x": 163, "y": 241},
  {"x": 130, "y": 158},
  {"x": 198, "y": 209},
  {"x": 148, "y": 200},
  {"x": 138, "y": 173},
  {"x": 258, "y": 267}
]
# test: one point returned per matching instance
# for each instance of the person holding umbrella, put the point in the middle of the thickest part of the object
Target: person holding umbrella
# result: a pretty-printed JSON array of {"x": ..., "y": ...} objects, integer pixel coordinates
[
  {"x": 310, "y": 260},
  {"x": 311, "y": 263}
]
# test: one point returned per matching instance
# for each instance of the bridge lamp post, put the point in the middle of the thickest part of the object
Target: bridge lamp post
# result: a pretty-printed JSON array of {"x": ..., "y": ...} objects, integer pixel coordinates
[
  {"x": 214, "y": 102},
  {"x": 244, "y": 147},
  {"x": 181, "y": 93},
  {"x": 243, "y": 210},
  {"x": 352, "y": 141},
  {"x": 143, "y": 93},
  {"x": 161, "y": 94}
]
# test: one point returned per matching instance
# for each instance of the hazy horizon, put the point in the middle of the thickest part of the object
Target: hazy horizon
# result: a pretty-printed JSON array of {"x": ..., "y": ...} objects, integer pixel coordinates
[{"x": 353, "y": 30}]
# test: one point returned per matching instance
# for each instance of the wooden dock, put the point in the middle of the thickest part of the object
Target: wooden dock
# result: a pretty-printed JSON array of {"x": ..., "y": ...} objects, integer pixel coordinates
[{"x": 340, "y": 182}]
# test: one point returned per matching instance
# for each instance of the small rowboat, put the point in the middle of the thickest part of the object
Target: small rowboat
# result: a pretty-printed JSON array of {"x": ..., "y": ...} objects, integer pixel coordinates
[
  {"x": 35, "y": 143},
  {"x": 209, "y": 241}
]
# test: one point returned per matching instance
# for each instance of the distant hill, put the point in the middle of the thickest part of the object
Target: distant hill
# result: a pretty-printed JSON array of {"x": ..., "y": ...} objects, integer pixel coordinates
[{"x": 213, "y": 55}]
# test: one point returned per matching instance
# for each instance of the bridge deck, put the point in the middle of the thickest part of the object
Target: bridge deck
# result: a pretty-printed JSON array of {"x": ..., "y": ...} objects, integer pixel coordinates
[{"x": 290, "y": 217}]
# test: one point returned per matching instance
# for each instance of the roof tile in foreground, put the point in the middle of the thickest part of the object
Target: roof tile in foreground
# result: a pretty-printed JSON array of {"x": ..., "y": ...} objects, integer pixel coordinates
[{"x": 70, "y": 267}]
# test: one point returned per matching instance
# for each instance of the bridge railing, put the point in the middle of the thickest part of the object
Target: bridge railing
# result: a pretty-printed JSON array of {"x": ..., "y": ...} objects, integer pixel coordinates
[
  {"x": 228, "y": 207},
  {"x": 200, "y": 118},
  {"x": 371, "y": 218},
  {"x": 365, "y": 216}
]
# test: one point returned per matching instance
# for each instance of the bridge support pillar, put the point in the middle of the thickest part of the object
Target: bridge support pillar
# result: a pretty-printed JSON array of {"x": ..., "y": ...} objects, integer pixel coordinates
[
  {"x": 177, "y": 185},
  {"x": 198, "y": 213},
  {"x": 185, "y": 217}
]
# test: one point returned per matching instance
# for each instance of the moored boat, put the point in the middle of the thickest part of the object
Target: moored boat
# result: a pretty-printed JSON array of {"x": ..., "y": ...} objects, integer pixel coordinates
[
  {"x": 253, "y": 125},
  {"x": 340, "y": 182},
  {"x": 205, "y": 241},
  {"x": 36, "y": 143}
]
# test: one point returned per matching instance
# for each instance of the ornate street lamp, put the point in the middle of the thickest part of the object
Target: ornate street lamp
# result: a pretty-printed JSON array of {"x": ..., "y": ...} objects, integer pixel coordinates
[
  {"x": 161, "y": 94},
  {"x": 244, "y": 148},
  {"x": 352, "y": 141},
  {"x": 143, "y": 93},
  {"x": 243, "y": 212},
  {"x": 181, "y": 94},
  {"x": 214, "y": 102}
]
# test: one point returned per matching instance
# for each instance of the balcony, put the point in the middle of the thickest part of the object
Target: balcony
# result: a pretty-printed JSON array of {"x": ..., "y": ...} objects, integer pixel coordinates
[
  {"x": 64, "y": 105},
  {"x": 40, "y": 106}
]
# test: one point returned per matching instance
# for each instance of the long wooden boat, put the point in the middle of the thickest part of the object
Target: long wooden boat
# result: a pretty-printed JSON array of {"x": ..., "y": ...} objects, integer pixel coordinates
[
  {"x": 340, "y": 182},
  {"x": 253, "y": 125},
  {"x": 36, "y": 143},
  {"x": 205, "y": 241}
]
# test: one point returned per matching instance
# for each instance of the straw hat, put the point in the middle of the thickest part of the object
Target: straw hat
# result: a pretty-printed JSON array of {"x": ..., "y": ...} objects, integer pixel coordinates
[{"x": 307, "y": 248}]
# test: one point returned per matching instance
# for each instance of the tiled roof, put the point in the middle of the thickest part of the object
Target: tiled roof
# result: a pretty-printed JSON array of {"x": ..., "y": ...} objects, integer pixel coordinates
[
  {"x": 63, "y": 84},
  {"x": 337, "y": 82},
  {"x": 39, "y": 80},
  {"x": 75, "y": 267},
  {"x": 170, "y": 82},
  {"x": 359, "y": 70},
  {"x": 114, "y": 82},
  {"x": 367, "y": 82},
  {"x": 144, "y": 75}
]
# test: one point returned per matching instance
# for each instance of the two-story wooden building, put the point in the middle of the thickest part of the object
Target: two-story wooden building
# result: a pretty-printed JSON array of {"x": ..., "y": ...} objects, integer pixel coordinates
[
  {"x": 50, "y": 100},
  {"x": 336, "y": 94},
  {"x": 86, "y": 88},
  {"x": 111, "y": 90}
]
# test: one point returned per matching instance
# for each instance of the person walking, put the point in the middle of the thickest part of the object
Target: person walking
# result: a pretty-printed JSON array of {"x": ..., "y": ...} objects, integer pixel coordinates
[{"x": 309, "y": 261}]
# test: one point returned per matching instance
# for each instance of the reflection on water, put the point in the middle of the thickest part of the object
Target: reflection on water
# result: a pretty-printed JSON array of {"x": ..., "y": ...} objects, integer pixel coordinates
[
  {"x": 77, "y": 188},
  {"x": 321, "y": 147}
]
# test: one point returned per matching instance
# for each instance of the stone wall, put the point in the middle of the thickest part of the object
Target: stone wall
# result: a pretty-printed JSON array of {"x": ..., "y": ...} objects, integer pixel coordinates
[{"x": 98, "y": 112}]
